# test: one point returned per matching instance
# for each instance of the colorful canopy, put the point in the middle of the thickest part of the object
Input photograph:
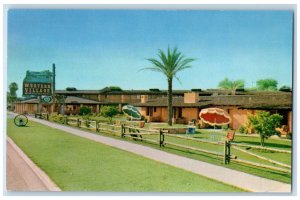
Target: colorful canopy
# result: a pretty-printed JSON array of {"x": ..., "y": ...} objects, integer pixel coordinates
[
  {"x": 214, "y": 116},
  {"x": 132, "y": 112}
]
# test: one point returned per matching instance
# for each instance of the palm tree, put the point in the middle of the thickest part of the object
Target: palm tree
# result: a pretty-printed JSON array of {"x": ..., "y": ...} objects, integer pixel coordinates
[
  {"x": 169, "y": 65},
  {"x": 231, "y": 85}
]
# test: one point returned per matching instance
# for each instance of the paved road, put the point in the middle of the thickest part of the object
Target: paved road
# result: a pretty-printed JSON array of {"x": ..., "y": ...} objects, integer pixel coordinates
[
  {"x": 22, "y": 174},
  {"x": 19, "y": 176},
  {"x": 222, "y": 174}
]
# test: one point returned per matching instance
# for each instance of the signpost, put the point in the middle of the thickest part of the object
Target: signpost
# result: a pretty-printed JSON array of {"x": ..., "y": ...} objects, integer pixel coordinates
[{"x": 38, "y": 84}]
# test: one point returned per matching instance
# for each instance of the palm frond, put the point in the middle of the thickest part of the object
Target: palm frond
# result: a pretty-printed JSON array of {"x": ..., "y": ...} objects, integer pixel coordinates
[{"x": 170, "y": 63}]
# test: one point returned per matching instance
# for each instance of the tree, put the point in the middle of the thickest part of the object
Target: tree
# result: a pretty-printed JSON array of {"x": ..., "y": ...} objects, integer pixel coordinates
[
  {"x": 12, "y": 94},
  {"x": 267, "y": 84},
  {"x": 170, "y": 64},
  {"x": 109, "y": 111},
  {"x": 265, "y": 124},
  {"x": 231, "y": 85}
]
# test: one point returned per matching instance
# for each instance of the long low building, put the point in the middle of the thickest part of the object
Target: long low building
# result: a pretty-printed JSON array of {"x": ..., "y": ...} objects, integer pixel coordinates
[
  {"x": 238, "y": 106},
  {"x": 153, "y": 103}
]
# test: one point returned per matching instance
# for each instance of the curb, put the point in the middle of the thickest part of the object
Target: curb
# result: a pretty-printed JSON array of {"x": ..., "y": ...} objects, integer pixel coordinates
[{"x": 50, "y": 185}]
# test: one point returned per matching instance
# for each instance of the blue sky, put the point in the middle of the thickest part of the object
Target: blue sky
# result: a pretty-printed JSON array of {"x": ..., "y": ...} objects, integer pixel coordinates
[{"x": 97, "y": 48}]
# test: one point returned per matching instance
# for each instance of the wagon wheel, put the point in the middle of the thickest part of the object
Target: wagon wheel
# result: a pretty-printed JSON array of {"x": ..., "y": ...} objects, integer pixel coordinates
[{"x": 21, "y": 120}]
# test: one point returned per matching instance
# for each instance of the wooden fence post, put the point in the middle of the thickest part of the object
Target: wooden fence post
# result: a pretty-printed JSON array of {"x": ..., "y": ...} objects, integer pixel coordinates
[
  {"x": 78, "y": 122},
  {"x": 97, "y": 126},
  {"x": 66, "y": 120},
  {"x": 161, "y": 138},
  {"x": 122, "y": 130},
  {"x": 226, "y": 152}
]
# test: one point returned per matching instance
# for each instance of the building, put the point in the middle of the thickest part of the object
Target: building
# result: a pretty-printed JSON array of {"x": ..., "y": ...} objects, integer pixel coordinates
[
  {"x": 72, "y": 105},
  {"x": 71, "y": 99},
  {"x": 153, "y": 103},
  {"x": 239, "y": 106}
]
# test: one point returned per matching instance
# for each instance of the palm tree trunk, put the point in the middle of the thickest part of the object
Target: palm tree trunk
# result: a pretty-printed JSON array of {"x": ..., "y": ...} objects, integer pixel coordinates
[{"x": 170, "y": 106}]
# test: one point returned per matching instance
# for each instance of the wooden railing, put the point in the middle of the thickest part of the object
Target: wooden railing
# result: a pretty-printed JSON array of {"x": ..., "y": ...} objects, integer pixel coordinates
[{"x": 136, "y": 133}]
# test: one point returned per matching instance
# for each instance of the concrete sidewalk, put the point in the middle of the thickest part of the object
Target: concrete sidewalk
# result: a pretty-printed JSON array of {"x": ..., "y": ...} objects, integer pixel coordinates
[
  {"x": 22, "y": 174},
  {"x": 232, "y": 177}
]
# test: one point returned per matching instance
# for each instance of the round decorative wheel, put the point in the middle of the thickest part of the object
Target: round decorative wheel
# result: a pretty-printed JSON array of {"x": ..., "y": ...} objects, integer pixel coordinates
[{"x": 21, "y": 120}]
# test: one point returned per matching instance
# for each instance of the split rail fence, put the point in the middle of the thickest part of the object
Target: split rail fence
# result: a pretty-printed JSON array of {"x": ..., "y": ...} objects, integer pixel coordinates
[{"x": 128, "y": 131}]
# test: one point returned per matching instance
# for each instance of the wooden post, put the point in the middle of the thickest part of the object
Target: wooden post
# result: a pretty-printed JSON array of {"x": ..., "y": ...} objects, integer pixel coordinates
[
  {"x": 97, "y": 126},
  {"x": 78, "y": 122},
  {"x": 122, "y": 130},
  {"x": 66, "y": 120},
  {"x": 225, "y": 144},
  {"x": 226, "y": 152},
  {"x": 161, "y": 138}
]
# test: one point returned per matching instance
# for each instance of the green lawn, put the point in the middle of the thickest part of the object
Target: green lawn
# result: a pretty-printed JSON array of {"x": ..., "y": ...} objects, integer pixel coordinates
[
  {"x": 206, "y": 134},
  {"x": 78, "y": 164},
  {"x": 219, "y": 134},
  {"x": 267, "y": 173}
]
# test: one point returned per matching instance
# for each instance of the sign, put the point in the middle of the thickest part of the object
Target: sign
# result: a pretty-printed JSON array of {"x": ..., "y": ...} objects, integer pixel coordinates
[
  {"x": 37, "y": 88},
  {"x": 37, "y": 83},
  {"x": 47, "y": 99}
]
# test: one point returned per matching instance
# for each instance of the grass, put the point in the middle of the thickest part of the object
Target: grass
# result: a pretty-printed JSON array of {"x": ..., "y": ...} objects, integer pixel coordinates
[
  {"x": 78, "y": 164},
  {"x": 266, "y": 173}
]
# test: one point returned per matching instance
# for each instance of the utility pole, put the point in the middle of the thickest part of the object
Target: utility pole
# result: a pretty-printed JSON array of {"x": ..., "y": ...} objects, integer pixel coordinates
[
  {"x": 53, "y": 88},
  {"x": 53, "y": 78}
]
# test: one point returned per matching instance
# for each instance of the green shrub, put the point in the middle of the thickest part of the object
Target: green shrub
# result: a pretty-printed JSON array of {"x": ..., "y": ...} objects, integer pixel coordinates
[
  {"x": 265, "y": 124},
  {"x": 85, "y": 110},
  {"x": 289, "y": 135},
  {"x": 57, "y": 118},
  {"x": 225, "y": 127},
  {"x": 243, "y": 129},
  {"x": 109, "y": 112}
]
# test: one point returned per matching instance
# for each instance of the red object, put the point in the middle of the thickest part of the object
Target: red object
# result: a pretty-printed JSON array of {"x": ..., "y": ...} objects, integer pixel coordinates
[{"x": 214, "y": 116}]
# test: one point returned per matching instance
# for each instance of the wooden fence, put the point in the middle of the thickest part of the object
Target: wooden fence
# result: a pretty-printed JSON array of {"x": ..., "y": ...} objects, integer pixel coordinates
[{"x": 136, "y": 133}]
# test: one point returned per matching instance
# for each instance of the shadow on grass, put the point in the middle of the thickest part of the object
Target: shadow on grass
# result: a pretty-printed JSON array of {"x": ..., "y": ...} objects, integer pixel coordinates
[{"x": 267, "y": 144}]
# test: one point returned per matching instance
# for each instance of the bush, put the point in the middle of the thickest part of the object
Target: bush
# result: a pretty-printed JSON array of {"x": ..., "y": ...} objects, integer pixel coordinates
[
  {"x": 225, "y": 127},
  {"x": 265, "y": 124},
  {"x": 109, "y": 112},
  {"x": 289, "y": 135},
  {"x": 85, "y": 110},
  {"x": 243, "y": 129},
  {"x": 57, "y": 118}
]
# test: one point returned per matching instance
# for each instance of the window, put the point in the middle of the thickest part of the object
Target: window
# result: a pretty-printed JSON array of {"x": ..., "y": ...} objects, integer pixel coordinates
[
  {"x": 179, "y": 112},
  {"x": 150, "y": 111},
  {"x": 154, "y": 109},
  {"x": 138, "y": 96}
]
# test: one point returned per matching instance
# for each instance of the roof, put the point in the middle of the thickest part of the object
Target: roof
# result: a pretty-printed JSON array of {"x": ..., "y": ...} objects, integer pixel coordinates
[
  {"x": 113, "y": 92},
  {"x": 38, "y": 77},
  {"x": 79, "y": 100},
  {"x": 77, "y": 92},
  {"x": 29, "y": 101},
  {"x": 68, "y": 100},
  {"x": 279, "y": 100}
]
